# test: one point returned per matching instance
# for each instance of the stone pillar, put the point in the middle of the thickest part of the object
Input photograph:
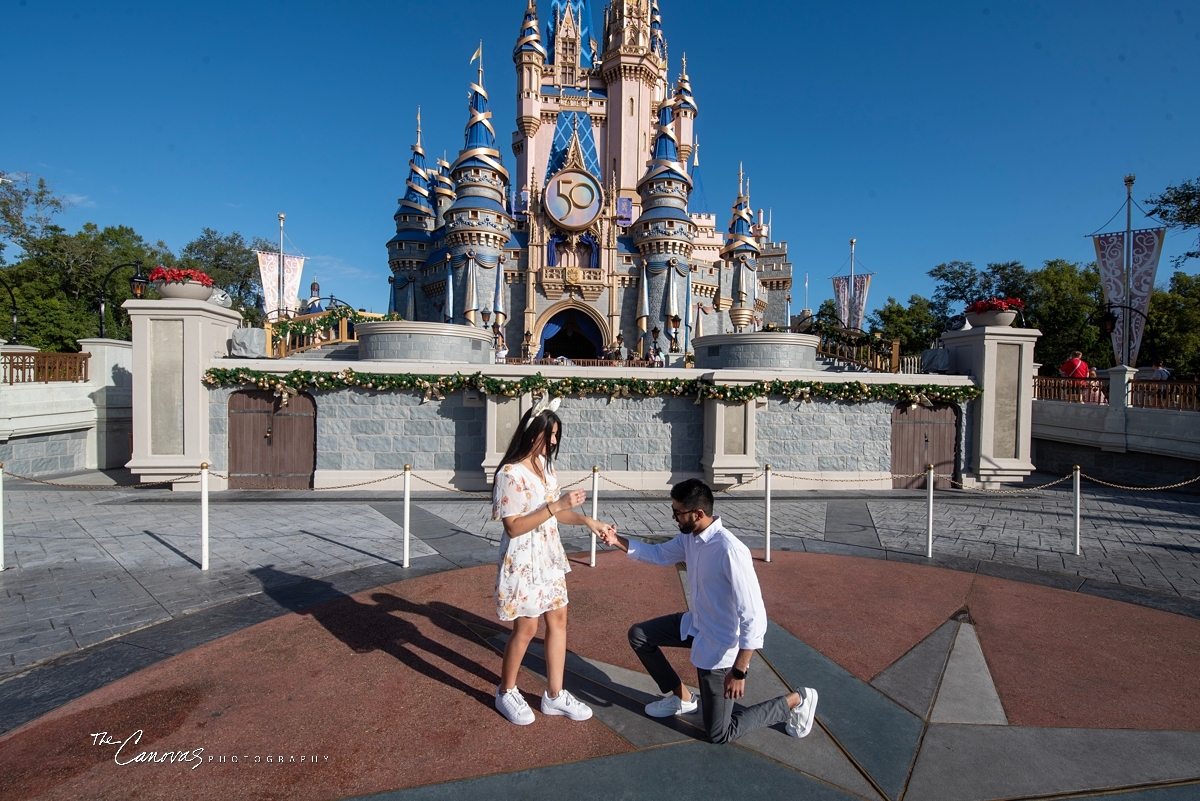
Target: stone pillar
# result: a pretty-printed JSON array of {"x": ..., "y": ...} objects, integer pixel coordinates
[
  {"x": 1112, "y": 439},
  {"x": 728, "y": 443},
  {"x": 110, "y": 370},
  {"x": 1000, "y": 359},
  {"x": 173, "y": 344},
  {"x": 503, "y": 417}
]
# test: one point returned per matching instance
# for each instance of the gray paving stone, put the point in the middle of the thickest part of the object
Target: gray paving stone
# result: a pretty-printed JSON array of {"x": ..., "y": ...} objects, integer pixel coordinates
[
  {"x": 974, "y": 763},
  {"x": 912, "y": 680},
  {"x": 967, "y": 693}
]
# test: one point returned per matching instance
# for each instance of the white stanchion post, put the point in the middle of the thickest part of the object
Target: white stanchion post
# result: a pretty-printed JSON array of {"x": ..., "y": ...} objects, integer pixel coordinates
[
  {"x": 929, "y": 519},
  {"x": 767, "y": 483},
  {"x": 595, "y": 509},
  {"x": 407, "y": 487},
  {"x": 1, "y": 515},
  {"x": 204, "y": 516},
  {"x": 1078, "y": 545}
]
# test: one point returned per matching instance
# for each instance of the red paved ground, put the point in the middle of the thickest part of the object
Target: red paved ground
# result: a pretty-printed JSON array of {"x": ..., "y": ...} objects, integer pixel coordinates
[
  {"x": 1066, "y": 659},
  {"x": 395, "y": 687},
  {"x": 394, "y": 692},
  {"x": 863, "y": 614}
]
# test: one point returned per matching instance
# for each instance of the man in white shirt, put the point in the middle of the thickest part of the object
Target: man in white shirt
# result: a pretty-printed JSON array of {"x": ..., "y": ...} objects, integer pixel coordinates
[{"x": 724, "y": 629}]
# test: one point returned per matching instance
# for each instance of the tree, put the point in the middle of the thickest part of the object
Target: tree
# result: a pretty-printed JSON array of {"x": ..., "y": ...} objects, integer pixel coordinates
[
  {"x": 1175, "y": 320},
  {"x": 916, "y": 326},
  {"x": 1061, "y": 298},
  {"x": 957, "y": 282},
  {"x": 1179, "y": 207},
  {"x": 232, "y": 265}
]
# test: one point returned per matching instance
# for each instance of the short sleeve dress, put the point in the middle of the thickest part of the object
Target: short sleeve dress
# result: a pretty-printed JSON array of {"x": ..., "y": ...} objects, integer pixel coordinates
[{"x": 531, "y": 578}]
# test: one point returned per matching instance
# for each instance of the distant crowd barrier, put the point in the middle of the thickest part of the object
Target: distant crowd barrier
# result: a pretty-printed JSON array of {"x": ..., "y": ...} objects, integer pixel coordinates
[{"x": 1076, "y": 476}]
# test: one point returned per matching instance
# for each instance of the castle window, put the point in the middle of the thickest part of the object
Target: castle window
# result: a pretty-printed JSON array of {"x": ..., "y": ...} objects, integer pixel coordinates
[
  {"x": 420, "y": 247},
  {"x": 631, "y": 107},
  {"x": 474, "y": 215},
  {"x": 629, "y": 259},
  {"x": 670, "y": 225}
]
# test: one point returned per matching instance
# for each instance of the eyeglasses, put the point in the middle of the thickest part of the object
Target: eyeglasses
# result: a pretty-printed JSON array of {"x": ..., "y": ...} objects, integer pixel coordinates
[{"x": 675, "y": 513}]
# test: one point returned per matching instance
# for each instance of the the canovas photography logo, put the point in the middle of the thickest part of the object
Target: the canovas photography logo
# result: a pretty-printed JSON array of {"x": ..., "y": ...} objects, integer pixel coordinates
[{"x": 128, "y": 753}]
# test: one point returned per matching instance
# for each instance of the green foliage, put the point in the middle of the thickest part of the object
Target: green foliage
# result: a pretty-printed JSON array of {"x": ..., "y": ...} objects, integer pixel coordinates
[
  {"x": 232, "y": 265},
  {"x": 329, "y": 319},
  {"x": 1175, "y": 316},
  {"x": 431, "y": 386},
  {"x": 1179, "y": 208},
  {"x": 915, "y": 325},
  {"x": 958, "y": 282},
  {"x": 1062, "y": 297}
]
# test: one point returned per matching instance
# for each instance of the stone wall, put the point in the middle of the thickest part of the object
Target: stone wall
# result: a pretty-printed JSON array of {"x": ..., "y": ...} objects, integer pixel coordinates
[
  {"x": 761, "y": 350},
  {"x": 363, "y": 430},
  {"x": 406, "y": 341},
  {"x": 61, "y": 452},
  {"x": 1131, "y": 469},
  {"x": 635, "y": 434},
  {"x": 824, "y": 436}
]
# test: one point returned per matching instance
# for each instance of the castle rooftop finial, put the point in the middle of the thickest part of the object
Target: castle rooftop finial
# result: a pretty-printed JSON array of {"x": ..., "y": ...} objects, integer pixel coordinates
[{"x": 418, "y": 126}]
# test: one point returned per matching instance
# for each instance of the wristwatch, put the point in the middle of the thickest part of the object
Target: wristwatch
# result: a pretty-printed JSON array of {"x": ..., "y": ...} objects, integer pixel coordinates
[{"x": 740, "y": 675}]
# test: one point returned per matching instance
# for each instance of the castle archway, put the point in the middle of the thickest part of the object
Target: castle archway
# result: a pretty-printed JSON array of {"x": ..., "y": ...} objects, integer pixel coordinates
[{"x": 571, "y": 329}]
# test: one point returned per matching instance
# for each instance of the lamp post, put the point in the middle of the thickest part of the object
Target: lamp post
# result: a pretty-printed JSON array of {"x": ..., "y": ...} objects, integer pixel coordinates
[
  {"x": 675, "y": 321},
  {"x": 14, "y": 310},
  {"x": 528, "y": 340},
  {"x": 137, "y": 287}
]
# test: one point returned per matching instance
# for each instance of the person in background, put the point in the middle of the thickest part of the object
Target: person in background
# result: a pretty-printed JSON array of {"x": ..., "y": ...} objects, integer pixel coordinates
[
  {"x": 1074, "y": 367},
  {"x": 1160, "y": 373}
]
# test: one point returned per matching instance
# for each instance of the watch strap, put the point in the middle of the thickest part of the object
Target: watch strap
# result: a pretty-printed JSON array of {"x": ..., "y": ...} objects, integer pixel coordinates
[{"x": 740, "y": 675}]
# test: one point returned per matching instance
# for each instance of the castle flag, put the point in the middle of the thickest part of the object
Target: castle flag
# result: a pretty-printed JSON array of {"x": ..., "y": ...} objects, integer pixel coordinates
[{"x": 268, "y": 271}]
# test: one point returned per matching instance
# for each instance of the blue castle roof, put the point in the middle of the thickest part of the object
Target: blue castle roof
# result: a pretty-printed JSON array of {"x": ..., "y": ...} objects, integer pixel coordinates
[
  {"x": 479, "y": 145},
  {"x": 581, "y": 10},
  {"x": 569, "y": 123},
  {"x": 529, "y": 40},
  {"x": 416, "y": 197}
]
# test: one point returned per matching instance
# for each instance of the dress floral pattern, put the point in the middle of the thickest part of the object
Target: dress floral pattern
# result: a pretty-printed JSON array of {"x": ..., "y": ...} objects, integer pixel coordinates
[{"x": 531, "y": 578}]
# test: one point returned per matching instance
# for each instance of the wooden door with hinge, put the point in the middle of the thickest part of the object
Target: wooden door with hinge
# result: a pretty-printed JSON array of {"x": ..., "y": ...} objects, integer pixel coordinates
[
  {"x": 922, "y": 436},
  {"x": 271, "y": 444}
]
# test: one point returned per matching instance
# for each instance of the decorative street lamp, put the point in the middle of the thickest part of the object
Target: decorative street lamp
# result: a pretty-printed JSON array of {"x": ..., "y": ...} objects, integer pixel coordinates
[
  {"x": 675, "y": 321},
  {"x": 137, "y": 286},
  {"x": 13, "y": 297},
  {"x": 528, "y": 340}
]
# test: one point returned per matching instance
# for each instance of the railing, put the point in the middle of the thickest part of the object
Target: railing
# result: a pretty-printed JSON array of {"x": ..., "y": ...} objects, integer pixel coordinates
[
  {"x": 910, "y": 365},
  {"x": 296, "y": 342},
  {"x": 863, "y": 354},
  {"x": 1071, "y": 390},
  {"x": 42, "y": 368},
  {"x": 1178, "y": 395},
  {"x": 582, "y": 362}
]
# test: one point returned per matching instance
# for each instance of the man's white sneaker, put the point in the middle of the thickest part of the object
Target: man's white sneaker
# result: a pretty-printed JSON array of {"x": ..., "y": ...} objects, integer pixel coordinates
[
  {"x": 513, "y": 706},
  {"x": 800, "y": 721},
  {"x": 671, "y": 705},
  {"x": 567, "y": 705}
]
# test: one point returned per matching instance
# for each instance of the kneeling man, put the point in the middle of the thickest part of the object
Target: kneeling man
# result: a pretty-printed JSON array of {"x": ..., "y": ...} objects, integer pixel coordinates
[{"x": 724, "y": 629}]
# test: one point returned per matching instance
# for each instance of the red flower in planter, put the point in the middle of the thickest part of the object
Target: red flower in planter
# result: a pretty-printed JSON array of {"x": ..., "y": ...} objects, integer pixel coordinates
[
  {"x": 996, "y": 304},
  {"x": 172, "y": 275}
]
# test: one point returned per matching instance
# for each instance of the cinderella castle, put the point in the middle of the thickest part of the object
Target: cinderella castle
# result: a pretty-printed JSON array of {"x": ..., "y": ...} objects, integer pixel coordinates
[{"x": 593, "y": 235}]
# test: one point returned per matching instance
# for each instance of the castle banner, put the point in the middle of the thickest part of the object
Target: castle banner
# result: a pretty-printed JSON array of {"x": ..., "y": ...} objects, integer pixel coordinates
[
  {"x": 1110, "y": 257},
  {"x": 841, "y": 299},
  {"x": 268, "y": 271}
]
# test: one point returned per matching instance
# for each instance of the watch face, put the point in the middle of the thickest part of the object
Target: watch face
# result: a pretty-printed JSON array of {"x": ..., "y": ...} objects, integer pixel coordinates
[{"x": 573, "y": 199}]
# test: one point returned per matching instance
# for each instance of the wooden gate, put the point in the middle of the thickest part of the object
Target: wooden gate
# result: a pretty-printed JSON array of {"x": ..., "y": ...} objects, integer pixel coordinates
[
  {"x": 921, "y": 437},
  {"x": 271, "y": 444}
]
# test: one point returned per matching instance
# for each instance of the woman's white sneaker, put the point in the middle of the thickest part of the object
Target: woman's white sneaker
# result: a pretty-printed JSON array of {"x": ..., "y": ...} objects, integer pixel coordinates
[
  {"x": 512, "y": 705},
  {"x": 800, "y": 721},
  {"x": 671, "y": 705},
  {"x": 567, "y": 705}
]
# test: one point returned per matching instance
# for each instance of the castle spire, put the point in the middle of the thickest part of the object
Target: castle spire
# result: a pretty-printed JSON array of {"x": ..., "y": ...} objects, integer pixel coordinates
[
  {"x": 416, "y": 198},
  {"x": 658, "y": 43},
  {"x": 530, "y": 39}
]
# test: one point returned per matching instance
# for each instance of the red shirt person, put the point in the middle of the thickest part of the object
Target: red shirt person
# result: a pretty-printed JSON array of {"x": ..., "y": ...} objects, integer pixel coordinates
[{"x": 1074, "y": 367}]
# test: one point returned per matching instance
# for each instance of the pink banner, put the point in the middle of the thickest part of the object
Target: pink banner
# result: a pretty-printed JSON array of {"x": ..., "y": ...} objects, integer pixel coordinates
[
  {"x": 858, "y": 303},
  {"x": 841, "y": 299},
  {"x": 1110, "y": 258},
  {"x": 268, "y": 271},
  {"x": 1147, "y": 248}
]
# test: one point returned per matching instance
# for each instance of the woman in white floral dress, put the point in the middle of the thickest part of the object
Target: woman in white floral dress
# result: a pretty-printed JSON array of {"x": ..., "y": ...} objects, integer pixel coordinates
[{"x": 531, "y": 579}]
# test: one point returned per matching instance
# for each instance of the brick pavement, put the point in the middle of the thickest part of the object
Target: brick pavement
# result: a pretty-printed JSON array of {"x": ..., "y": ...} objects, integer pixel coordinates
[{"x": 89, "y": 566}]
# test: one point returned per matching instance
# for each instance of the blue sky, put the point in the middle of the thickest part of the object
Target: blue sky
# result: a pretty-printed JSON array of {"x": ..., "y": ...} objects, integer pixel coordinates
[{"x": 981, "y": 131}]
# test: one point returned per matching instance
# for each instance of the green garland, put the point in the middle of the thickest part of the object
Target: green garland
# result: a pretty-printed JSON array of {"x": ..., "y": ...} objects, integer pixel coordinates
[
  {"x": 329, "y": 319},
  {"x": 439, "y": 386}
]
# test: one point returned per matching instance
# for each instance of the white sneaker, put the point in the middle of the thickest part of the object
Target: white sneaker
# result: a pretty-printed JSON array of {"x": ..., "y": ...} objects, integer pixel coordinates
[
  {"x": 671, "y": 705},
  {"x": 800, "y": 721},
  {"x": 567, "y": 705},
  {"x": 513, "y": 706}
]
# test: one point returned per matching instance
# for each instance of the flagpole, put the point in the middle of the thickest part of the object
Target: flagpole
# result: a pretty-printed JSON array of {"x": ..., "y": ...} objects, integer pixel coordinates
[
  {"x": 1126, "y": 328},
  {"x": 850, "y": 286},
  {"x": 279, "y": 296}
]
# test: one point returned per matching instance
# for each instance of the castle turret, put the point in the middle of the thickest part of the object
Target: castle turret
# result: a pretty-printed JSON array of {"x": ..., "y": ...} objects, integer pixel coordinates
[
  {"x": 443, "y": 191},
  {"x": 415, "y": 221},
  {"x": 685, "y": 114},
  {"x": 478, "y": 223},
  {"x": 529, "y": 56},
  {"x": 664, "y": 233},
  {"x": 658, "y": 42},
  {"x": 741, "y": 256}
]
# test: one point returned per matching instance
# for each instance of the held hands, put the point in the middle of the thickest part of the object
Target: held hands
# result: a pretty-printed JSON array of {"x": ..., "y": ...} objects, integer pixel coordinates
[{"x": 609, "y": 536}]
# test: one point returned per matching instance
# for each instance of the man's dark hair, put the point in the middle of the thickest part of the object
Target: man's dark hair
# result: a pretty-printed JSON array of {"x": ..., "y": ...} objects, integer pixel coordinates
[{"x": 694, "y": 494}]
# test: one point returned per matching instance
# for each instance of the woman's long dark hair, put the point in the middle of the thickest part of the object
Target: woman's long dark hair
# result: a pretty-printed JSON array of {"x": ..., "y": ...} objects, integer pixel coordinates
[{"x": 530, "y": 436}]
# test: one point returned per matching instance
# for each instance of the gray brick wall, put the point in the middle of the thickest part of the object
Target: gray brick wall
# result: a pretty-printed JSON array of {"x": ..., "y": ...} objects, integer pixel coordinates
[
  {"x": 424, "y": 347},
  {"x": 61, "y": 452},
  {"x": 653, "y": 434},
  {"x": 824, "y": 436},
  {"x": 363, "y": 430},
  {"x": 218, "y": 427},
  {"x": 755, "y": 357}
]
